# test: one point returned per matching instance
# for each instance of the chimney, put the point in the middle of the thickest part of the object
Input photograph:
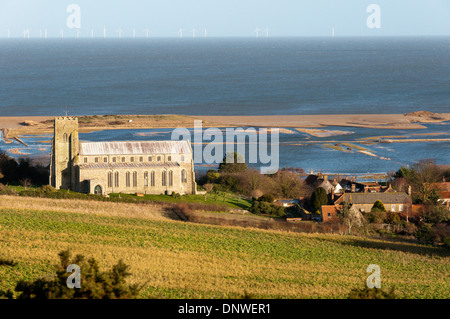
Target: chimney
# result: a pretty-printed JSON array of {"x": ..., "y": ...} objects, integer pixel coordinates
[
  {"x": 353, "y": 179},
  {"x": 353, "y": 188},
  {"x": 366, "y": 189},
  {"x": 325, "y": 177}
]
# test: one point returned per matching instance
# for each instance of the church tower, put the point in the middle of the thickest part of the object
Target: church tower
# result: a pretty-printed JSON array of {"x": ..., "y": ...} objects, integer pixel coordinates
[{"x": 65, "y": 149}]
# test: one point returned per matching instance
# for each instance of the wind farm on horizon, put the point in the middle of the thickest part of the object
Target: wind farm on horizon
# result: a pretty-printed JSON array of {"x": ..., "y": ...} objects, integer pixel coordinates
[{"x": 119, "y": 33}]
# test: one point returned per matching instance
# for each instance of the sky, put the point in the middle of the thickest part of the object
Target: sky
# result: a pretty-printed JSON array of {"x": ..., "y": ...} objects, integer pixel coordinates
[{"x": 226, "y": 18}]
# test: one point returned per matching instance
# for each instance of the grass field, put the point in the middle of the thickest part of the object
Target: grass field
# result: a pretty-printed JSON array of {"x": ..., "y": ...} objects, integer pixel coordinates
[
  {"x": 186, "y": 260},
  {"x": 230, "y": 201}
]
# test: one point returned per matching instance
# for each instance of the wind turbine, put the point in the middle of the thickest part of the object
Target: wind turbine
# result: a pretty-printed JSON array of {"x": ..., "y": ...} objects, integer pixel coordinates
[
  {"x": 40, "y": 33},
  {"x": 26, "y": 33},
  {"x": 332, "y": 32},
  {"x": 120, "y": 33},
  {"x": 193, "y": 32},
  {"x": 9, "y": 33},
  {"x": 267, "y": 32},
  {"x": 45, "y": 33},
  {"x": 104, "y": 32},
  {"x": 257, "y": 30},
  {"x": 134, "y": 33},
  {"x": 180, "y": 32},
  {"x": 147, "y": 32},
  {"x": 92, "y": 33},
  {"x": 62, "y": 33},
  {"x": 206, "y": 33}
]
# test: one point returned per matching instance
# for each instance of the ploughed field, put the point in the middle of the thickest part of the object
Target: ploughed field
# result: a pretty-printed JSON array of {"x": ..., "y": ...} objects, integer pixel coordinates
[{"x": 179, "y": 259}]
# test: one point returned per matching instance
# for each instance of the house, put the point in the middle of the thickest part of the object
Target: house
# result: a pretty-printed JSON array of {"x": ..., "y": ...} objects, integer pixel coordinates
[
  {"x": 393, "y": 202},
  {"x": 443, "y": 190},
  {"x": 330, "y": 213},
  {"x": 288, "y": 202},
  {"x": 319, "y": 180},
  {"x": 351, "y": 185}
]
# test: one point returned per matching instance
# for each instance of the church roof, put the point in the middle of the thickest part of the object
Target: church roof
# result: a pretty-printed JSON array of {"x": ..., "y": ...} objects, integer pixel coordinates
[
  {"x": 113, "y": 166},
  {"x": 134, "y": 147}
]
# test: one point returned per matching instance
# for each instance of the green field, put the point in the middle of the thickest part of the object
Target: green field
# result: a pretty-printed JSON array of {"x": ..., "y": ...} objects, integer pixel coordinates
[
  {"x": 186, "y": 260},
  {"x": 228, "y": 200}
]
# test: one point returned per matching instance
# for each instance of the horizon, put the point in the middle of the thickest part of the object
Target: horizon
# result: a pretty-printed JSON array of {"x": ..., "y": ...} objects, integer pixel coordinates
[{"x": 230, "y": 19}]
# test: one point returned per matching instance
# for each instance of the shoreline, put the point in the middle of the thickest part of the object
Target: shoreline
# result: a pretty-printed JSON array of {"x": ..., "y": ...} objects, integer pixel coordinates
[{"x": 34, "y": 125}]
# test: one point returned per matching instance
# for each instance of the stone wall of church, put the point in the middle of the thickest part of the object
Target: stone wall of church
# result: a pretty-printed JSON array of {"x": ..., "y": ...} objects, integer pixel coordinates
[{"x": 139, "y": 180}]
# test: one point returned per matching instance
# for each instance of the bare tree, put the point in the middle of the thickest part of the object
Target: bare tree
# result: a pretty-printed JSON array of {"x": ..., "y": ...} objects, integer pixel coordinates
[
  {"x": 424, "y": 174},
  {"x": 25, "y": 182},
  {"x": 208, "y": 187}
]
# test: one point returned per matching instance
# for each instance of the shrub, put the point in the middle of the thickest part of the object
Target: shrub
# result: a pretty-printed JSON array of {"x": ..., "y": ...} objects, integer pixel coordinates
[
  {"x": 47, "y": 189},
  {"x": 176, "y": 195},
  {"x": 424, "y": 233},
  {"x": 260, "y": 207},
  {"x": 266, "y": 198},
  {"x": 372, "y": 293},
  {"x": 378, "y": 206},
  {"x": 95, "y": 284},
  {"x": 393, "y": 219},
  {"x": 376, "y": 216},
  {"x": 436, "y": 214}
]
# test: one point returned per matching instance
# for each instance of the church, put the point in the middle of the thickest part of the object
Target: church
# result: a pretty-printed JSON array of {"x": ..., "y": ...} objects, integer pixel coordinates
[{"x": 141, "y": 167}]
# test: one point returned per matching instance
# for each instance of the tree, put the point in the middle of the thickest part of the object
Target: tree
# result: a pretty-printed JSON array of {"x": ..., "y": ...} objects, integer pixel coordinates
[
  {"x": 208, "y": 188},
  {"x": 437, "y": 214},
  {"x": 377, "y": 213},
  {"x": 237, "y": 165},
  {"x": 318, "y": 198},
  {"x": 290, "y": 185},
  {"x": 350, "y": 217},
  {"x": 378, "y": 206},
  {"x": 424, "y": 173}
]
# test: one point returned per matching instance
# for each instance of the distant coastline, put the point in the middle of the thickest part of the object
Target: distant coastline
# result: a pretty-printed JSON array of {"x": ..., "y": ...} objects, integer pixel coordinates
[{"x": 35, "y": 125}]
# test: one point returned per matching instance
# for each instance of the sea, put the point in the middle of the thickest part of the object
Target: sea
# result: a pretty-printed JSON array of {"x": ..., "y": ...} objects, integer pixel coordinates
[{"x": 238, "y": 76}]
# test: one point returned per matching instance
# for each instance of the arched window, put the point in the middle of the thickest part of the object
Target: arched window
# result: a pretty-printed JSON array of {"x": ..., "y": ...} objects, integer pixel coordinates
[
  {"x": 116, "y": 179},
  {"x": 114, "y": 159},
  {"x": 110, "y": 179},
  {"x": 134, "y": 179},
  {"x": 170, "y": 178},
  {"x": 145, "y": 178},
  {"x": 183, "y": 176},
  {"x": 127, "y": 179},
  {"x": 152, "y": 178},
  {"x": 164, "y": 178}
]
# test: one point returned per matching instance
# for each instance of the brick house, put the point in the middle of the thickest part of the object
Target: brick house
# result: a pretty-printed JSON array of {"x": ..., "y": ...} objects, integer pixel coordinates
[{"x": 393, "y": 202}]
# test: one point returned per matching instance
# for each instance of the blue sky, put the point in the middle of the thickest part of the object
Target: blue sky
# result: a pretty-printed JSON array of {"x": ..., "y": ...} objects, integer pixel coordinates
[{"x": 227, "y": 18}]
